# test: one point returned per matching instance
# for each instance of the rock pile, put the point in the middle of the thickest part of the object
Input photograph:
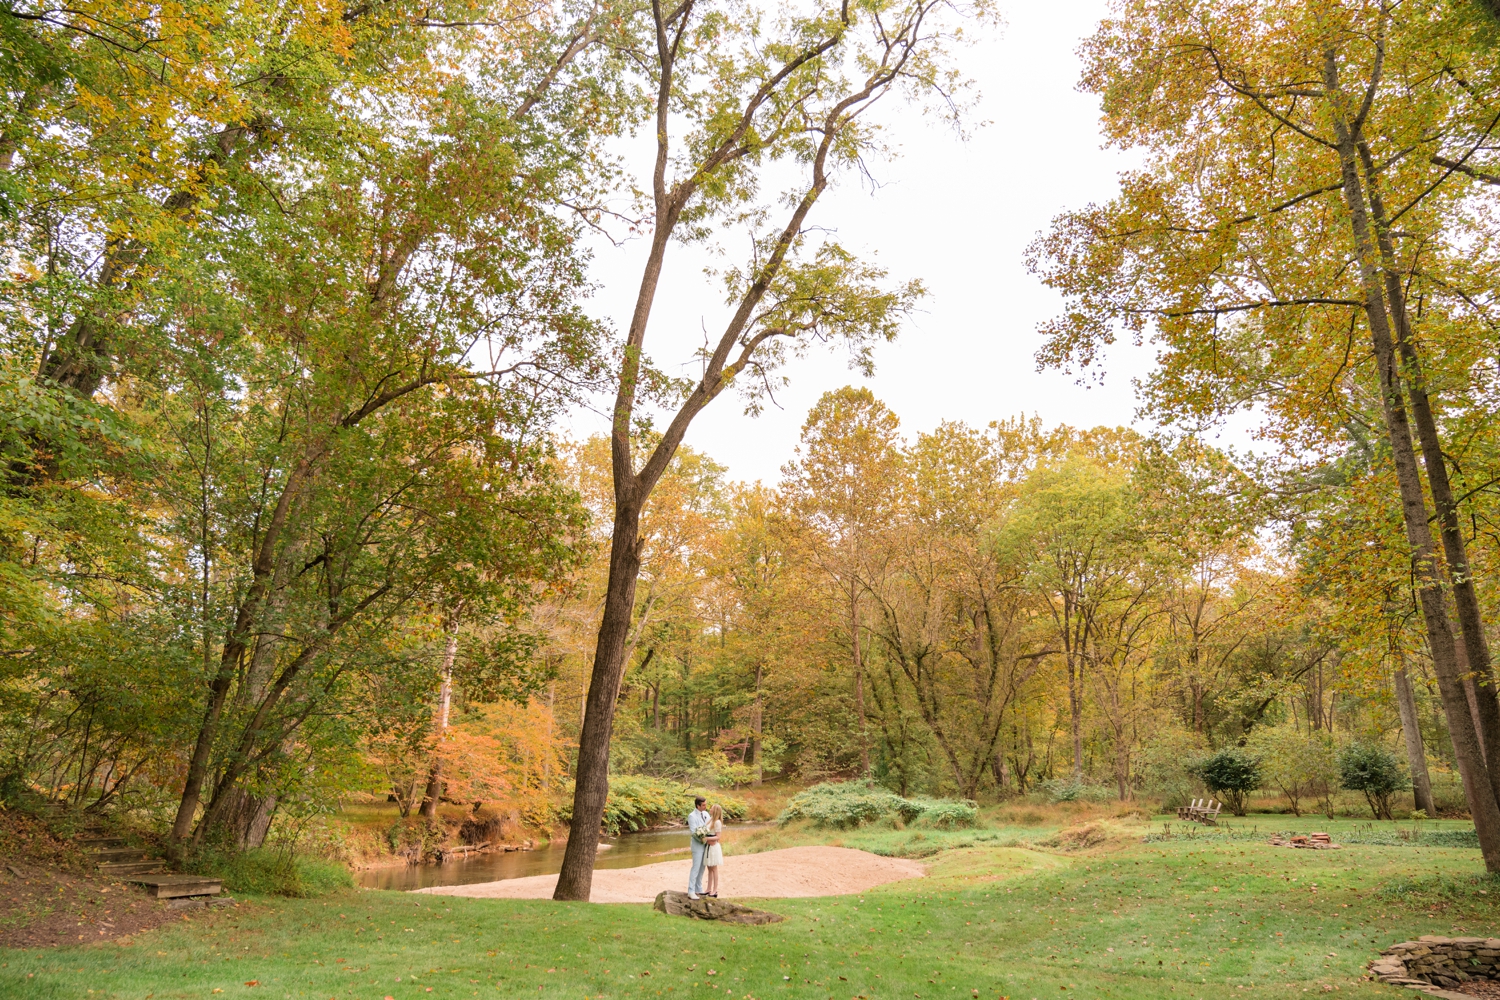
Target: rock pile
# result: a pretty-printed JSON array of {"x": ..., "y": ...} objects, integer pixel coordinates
[
  {"x": 1438, "y": 962},
  {"x": 1316, "y": 841},
  {"x": 680, "y": 904}
]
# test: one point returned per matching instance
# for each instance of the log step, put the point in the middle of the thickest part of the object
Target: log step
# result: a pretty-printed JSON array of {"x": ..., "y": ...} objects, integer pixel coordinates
[
  {"x": 174, "y": 886},
  {"x": 130, "y": 867},
  {"x": 120, "y": 854},
  {"x": 95, "y": 843}
]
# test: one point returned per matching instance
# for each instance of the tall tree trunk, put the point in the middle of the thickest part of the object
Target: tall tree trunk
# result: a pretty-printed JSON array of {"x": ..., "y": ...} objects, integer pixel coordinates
[
  {"x": 246, "y": 819},
  {"x": 1471, "y": 694},
  {"x": 1416, "y": 755},
  {"x": 592, "y": 786},
  {"x": 1075, "y": 714},
  {"x": 445, "y": 702},
  {"x": 551, "y": 721},
  {"x": 997, "y": 769},
  {"x": 859, "y": 681},
  {"x": 755, "y": 724},
  {"x": 1476, "y": 779},
  {"x": 1455, "y": 550}
]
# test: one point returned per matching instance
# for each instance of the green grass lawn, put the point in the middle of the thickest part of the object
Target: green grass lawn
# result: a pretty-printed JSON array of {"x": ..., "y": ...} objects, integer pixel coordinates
[{"x": 1204, "y": 917}]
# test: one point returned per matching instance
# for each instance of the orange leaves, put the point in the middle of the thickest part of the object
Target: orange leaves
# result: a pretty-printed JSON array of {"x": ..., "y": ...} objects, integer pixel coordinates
[{"x": 505, "y": 753}]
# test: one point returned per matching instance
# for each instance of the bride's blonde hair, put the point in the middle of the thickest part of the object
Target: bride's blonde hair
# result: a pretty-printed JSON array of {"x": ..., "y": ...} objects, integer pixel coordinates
[{"x": 716, "y": 812}]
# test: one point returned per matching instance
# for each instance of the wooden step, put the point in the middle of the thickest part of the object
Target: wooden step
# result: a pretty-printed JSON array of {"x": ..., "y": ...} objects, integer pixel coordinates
[
  {"x": 95, "y": 843},
  {"x": 120, "y": 854},
  {"x": 174, "y": 886},
  {"x": 130, "y": 867}
]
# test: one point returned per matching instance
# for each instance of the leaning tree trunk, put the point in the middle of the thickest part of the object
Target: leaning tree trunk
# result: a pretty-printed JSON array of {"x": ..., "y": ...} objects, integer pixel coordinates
[
  {"x": 1416, "y": 755},
  {"x": 592, "y": 786},
  {"x": 1476, "y": 779},
  {"x": 1455, "y": 550}
]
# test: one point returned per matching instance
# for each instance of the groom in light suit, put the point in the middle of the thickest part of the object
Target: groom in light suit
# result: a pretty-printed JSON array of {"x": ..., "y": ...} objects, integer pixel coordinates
[{"x": 697, "y": 819}]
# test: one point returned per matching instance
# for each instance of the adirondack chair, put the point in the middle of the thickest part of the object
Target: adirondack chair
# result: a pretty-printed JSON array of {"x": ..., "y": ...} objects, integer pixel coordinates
[
  {"x": 1186, "y": 812},
  {"x": 1210, "y": 816}
]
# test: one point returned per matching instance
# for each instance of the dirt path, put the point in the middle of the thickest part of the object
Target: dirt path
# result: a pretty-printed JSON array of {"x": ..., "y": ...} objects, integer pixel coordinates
[{"x": 795, "y": 871}]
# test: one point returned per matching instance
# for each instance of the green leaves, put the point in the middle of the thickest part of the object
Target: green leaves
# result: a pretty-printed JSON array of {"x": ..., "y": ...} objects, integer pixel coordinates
[
  {"x": 1374, "y": 770},
  {"x": 1232, "y": 773},
  {"x": 288, "y": 322},
  {"x": 831, "y": 298}
]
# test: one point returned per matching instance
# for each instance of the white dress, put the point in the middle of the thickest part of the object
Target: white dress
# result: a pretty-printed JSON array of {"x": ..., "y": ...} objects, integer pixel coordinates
[{"x": 715, "y": 855}]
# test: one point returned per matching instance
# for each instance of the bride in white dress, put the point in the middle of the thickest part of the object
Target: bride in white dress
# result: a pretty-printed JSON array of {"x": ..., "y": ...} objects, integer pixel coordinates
[{"x": 715, "y": 855}]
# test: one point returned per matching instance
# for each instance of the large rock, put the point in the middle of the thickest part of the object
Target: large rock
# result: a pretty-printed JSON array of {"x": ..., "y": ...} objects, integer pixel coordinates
[{"x": 679, "y": 904}]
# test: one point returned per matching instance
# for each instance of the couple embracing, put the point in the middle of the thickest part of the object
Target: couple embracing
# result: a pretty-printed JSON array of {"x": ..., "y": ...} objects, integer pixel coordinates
[{"x": 706, "y": 829}]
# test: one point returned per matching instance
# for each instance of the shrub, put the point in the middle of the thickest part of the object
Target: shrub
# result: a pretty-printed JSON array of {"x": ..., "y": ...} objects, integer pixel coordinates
[
  {"x": 638, "y": 803},
  {"x": 273, "y": 873},
  {"x": 946, "y": 814},
  {"x": 1301, "y": 765},
  {"x": 1069, "y": 790},
  {"x": 713, "y": 767},
  {"x": 1374, "y": 770},
  {"x": 1232, "y": 774},
  {"x": 846, "y": 804}
]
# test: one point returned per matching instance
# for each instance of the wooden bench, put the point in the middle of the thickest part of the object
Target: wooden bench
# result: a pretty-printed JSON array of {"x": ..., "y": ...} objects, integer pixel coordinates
[
  {"x": 174, "y": 886},
  {"x": 1201, "y": 811}
]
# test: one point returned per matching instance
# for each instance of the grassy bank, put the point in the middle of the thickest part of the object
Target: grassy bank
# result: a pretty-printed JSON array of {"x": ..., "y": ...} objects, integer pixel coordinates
[{"x": 1186, "y": 917}]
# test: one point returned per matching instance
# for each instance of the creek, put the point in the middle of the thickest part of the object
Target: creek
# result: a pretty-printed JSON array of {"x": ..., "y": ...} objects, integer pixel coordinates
[{"x": 630, "y": 850}]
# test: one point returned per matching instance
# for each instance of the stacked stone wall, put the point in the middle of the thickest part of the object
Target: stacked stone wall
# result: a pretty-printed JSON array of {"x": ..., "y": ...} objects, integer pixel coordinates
[{"x": 1439, "y": 961}]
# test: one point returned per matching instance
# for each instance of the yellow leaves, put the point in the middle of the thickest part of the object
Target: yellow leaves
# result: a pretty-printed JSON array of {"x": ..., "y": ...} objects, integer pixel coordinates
[{"x": 324, "y": 26}]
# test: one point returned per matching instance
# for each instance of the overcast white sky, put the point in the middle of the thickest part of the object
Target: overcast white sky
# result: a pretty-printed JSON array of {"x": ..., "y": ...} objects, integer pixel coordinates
[{"x": 956, "y": 214}]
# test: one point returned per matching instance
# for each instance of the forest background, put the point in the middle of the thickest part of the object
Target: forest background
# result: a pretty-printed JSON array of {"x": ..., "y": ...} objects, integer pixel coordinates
[{"x": 296, "y": 299}]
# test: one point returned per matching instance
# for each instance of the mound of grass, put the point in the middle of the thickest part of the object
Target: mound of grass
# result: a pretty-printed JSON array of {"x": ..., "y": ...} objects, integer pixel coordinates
[
  {"x": 1441, "y": 890},
  {"x": 273, "y": 873},
  {"x": 844, "y": 805},
  {"x": 1078, "y": 838},
  {"x": 1450, "y": 838}
]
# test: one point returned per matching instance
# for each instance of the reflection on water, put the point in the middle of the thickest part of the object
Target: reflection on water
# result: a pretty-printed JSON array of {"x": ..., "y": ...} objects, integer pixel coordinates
[{"x": 628, "y": 851}]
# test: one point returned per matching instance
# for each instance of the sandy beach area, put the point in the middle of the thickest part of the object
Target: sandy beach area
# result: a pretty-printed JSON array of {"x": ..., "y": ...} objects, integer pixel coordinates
[{"x": 794, "y": 871}]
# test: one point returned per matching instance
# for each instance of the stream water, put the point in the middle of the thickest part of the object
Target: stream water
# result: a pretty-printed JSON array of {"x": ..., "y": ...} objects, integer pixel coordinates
[{"x": 628, "y": 851}]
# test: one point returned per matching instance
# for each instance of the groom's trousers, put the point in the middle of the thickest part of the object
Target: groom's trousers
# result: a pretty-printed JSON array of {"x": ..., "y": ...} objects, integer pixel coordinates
[{"x": 695, "y": 877}]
